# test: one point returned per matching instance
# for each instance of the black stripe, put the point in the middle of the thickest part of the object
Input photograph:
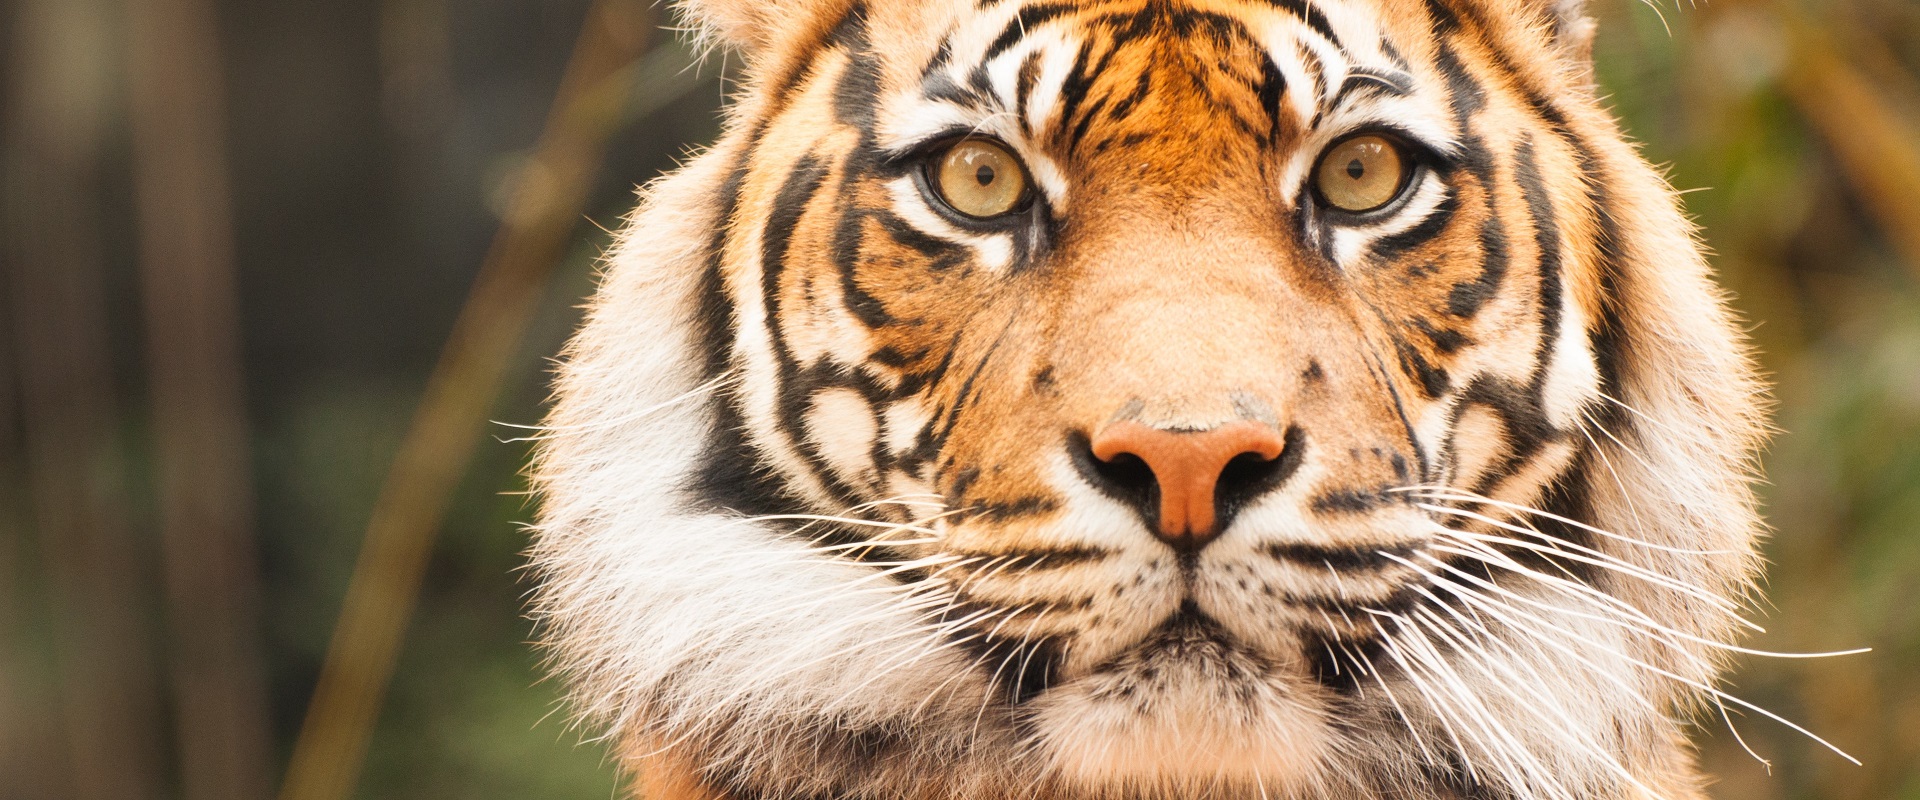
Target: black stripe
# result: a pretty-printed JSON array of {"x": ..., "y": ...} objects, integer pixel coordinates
[
  {"x": 1023, "y": 85},
  {"x": 796, "y": 386},
  {"x": 776, "y": 238},
  {"x": 1020, "y": 669},
  {"x": 1073, "y": 89},
  {"x": 1025, "y": 21},
  {"x": 855, "y": 93},
  {"x": 1400, "y": 410},
  {"x": 1009, "y": 510},
  {"x": 785, "y": 85},
  {"x": 1027, "y": 559},
  {"x": 1466, "y": 299},
  {"x": 940, "y": 251},
  {"x": 1308, "y": 13},
  {"x": 913, "y": 382},
  {"x": 728, "y": 477},
  {"x": 1570, "y": 497},
  {"x": 1390, "y": 247},
  {"x": 1546, "y": 238},
  {"x": 1123, "y": 107},
  {"x": 1445, "y": 340},
  {"x": 1356, "y": 501},
  {"x": 1270, "y": 88},
  {"x": 1464, "y": 94},
  {"x": 848, "y": 237},
  {"x": 1338, "y": 557},
  {"x": 1317, "y": 70},
  {"x": 965, "y": 395},
  {"x": 1521, "y": 411}
]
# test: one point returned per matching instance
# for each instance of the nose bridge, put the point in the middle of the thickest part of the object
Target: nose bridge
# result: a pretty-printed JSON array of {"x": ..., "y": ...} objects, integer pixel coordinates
[{"x": 1184, "y": 321}]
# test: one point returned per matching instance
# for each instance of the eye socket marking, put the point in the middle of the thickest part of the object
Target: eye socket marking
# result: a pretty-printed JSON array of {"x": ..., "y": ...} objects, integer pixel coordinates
[
  {"x": 980, "y": 178},
  {"x": 1362, "y": 173}
]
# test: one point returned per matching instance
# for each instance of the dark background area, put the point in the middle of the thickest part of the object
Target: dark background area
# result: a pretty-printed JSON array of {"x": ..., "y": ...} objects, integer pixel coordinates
[{"x": 355, "y": 169}]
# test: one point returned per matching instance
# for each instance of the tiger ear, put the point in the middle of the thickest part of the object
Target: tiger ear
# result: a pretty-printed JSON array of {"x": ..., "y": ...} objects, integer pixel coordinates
[
  {"x": 1572, "y": 30},
  {"x": 753, "y": 26}
]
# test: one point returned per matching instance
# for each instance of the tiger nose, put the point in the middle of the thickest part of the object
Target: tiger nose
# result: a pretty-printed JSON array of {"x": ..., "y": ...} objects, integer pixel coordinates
[{"x": 1186, "y": 469}]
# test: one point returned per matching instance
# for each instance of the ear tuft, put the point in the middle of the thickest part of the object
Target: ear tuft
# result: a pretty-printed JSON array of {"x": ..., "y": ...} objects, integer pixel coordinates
[
  {"x": 750, "y": 26},
  {"x": 1573, "y": 31}
]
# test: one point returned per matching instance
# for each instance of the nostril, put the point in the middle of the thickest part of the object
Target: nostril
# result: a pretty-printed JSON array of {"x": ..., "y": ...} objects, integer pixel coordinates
[
  {"x": 1129, "y": 473},
  {"x": 1124, "y": 477},
  {"x": 1248, "y": 475}
]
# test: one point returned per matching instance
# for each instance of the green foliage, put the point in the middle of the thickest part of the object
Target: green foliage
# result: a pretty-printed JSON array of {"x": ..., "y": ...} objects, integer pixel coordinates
[{"x": 1837, "y": 319}]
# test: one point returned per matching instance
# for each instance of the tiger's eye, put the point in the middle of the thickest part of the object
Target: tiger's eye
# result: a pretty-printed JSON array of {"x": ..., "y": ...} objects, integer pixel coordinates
[
  {"x": 1361, "y": 173},
  {"x": 979, "y": 178}
]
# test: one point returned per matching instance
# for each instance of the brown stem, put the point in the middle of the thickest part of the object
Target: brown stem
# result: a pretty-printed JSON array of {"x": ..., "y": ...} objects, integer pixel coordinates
[
  {"x": 549, "y": 199},
  {"x": 1878, "y": 149},
  {"x": 201, "y": 459},
  {"x": 51, "y": 260}
]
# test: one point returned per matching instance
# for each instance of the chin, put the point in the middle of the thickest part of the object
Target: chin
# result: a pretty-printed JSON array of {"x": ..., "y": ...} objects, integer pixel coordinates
[{"x": 1188, "y": 709}]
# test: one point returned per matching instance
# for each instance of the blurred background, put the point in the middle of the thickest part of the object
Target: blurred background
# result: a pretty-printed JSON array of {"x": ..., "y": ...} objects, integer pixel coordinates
[{"x": 237, "y": 236}]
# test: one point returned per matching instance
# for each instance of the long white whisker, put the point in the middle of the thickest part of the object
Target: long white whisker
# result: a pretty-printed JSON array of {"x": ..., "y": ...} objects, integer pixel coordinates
[
  {"x": 1502, "y": 591},
  {"x": 1584, "y": 555},
  {"x": 1413, "y": 733},
  {"x": 1703, "y": 687},
  {"x": 1544, "y": 707},
  {"x": 1637, "y": 617},
  {"x": 545, "y": 432},
  {"x": 1735, "y": 730},
  {"x": 1452, "y": 720},
  {"x": 1449, "y": 493}
]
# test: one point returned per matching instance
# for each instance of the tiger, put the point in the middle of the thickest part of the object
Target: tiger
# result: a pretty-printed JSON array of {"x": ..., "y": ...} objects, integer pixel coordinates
[{"x": 1151, "y": 399}]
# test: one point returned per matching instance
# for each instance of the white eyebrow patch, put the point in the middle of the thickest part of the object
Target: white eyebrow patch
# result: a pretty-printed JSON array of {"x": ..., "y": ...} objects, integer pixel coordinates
[
  {"x": 910, "y": 119},
  {"x": 1055, "y": 66}
]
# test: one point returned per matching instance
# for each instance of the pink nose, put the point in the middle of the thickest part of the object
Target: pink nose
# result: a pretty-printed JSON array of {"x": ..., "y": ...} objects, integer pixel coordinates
[{"x": 1187, "y": 466}]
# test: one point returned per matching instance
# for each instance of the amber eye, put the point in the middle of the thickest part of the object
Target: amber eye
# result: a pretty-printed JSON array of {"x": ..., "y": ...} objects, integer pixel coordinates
[
  {"x": 980, "y": 178},
  {"x": 1361, "y": 173}
]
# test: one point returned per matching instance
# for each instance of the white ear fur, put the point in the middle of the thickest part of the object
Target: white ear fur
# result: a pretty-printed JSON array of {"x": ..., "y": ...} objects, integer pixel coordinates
[
  {"x": 752, "y": 26},
  {"x": 1573, "y": 31}
]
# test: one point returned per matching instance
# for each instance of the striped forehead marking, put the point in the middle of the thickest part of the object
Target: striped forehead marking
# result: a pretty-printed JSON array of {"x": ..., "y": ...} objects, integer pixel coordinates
[{"x": 1020, "y": 59}]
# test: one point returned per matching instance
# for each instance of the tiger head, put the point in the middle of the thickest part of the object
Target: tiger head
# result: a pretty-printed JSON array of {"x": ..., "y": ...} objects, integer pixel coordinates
[{"x": 1106, "y": 398}]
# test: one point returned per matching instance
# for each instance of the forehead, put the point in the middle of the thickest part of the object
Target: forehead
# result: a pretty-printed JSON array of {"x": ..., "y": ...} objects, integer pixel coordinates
[{"x": 1010, "y": 68}]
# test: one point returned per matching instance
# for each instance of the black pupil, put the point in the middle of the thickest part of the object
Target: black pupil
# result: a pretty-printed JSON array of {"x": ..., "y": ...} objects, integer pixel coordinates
[
  {"x": 984, "y": 175},
  {"x": 1355, "y": 169}
]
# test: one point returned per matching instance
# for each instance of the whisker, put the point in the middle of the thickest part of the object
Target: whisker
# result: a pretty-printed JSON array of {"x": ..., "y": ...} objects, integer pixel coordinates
[
  {"x": 1543, "y": 705},
  {"x": 1504, "y": 592},
  {"x": 1637, "y": 616},
  {"x": 1548, "y": 640},
  {"x": 1578, "y": 553},
  {"x": 1626, "y": 495},
  {"x": 1443, "y": 707},
  {"x": 545, "y": 432},
  {"x": 1449, "y": 493},
  {"x": 1735, "y": 730}
]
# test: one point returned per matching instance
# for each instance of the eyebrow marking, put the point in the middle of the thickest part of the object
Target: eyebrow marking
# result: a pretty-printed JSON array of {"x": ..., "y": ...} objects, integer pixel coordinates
[{"x": 1387, "y": 81}]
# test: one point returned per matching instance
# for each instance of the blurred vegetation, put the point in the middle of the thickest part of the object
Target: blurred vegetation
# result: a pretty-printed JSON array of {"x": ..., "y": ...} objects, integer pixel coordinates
[{"x": 372, "y": 150}]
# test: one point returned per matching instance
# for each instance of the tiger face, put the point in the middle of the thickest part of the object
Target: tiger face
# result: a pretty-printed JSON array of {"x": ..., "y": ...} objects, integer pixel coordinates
[{"x": 1145, "y": 397}]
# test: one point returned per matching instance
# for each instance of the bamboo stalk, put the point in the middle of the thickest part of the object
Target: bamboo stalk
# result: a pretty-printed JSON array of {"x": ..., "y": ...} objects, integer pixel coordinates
[
  {"x": 202, "y": 461},
  {"x": 1877, "y": 147},
  {"x": 450, "y": 419},
  {"x": 107, "y": 742}
]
